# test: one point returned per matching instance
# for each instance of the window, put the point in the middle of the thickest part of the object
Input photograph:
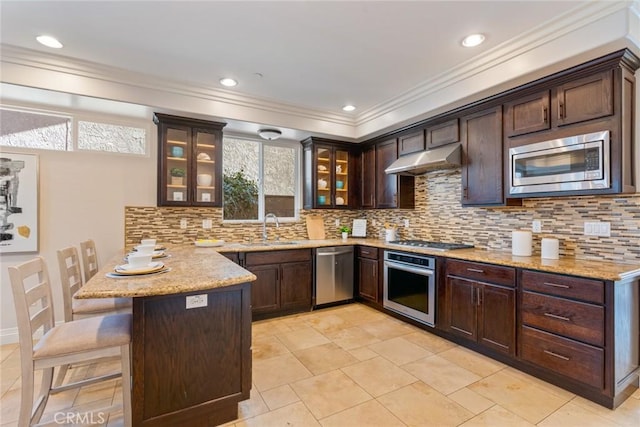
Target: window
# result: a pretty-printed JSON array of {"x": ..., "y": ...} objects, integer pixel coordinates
[
  {"x": 53, "y": 131},
  {"x": 35, "y": 130},
  {"x": 259, "y": 178}
]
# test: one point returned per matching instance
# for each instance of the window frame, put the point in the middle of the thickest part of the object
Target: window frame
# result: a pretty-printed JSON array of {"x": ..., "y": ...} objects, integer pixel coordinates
[{"x": 297, "y": 203}]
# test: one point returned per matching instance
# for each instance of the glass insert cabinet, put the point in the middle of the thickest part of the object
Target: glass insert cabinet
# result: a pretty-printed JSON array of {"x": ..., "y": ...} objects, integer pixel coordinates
[
  {"x": 328, "y": 170},
  {"x": 189, "y": 161}
]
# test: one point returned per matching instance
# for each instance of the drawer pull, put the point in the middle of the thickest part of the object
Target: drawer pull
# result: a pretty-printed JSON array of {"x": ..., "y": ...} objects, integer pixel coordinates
[
  {"x": 556, "y": 285},
  {"x": 555, "y": 316},
  {"x": 475, "y": 270},
  {"x": 559, "y": 356}
]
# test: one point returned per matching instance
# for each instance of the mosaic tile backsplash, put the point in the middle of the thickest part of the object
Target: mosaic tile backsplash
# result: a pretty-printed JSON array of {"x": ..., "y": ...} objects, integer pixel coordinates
[{"x": 438, "y": 215}]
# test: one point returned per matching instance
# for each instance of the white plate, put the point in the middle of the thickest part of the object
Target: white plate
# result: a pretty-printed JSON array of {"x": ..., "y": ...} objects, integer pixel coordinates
[
  {"x": 129, "y": 269},
  {"x": 209, "y": 243}
]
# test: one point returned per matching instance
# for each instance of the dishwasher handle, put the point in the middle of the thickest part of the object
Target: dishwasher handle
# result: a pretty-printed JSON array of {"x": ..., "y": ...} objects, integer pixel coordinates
[{"x": 333, "y": 253}]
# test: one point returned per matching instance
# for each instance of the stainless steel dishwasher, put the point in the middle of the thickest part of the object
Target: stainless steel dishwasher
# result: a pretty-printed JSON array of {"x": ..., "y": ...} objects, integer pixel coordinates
[{"x": 334, "y": 275}]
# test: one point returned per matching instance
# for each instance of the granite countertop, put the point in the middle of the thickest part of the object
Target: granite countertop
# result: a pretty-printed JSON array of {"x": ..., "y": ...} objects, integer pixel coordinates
[
  {"x": 603, "y": 270},
  {"x": 192, "y": 269}
]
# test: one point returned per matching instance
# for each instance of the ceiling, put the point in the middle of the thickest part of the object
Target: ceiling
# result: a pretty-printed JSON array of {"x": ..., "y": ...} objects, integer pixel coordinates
[{"x": 308, "y": 58}]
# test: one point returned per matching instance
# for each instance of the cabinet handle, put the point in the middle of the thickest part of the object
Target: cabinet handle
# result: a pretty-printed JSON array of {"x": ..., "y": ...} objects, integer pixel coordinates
[
  {"x": 561, "y": 110},
  {"x": 556, "y": 285},
  {"x": 473, "y": 292},
  {"x": 545, "y": 118},
  {"x": 555, "y": 316},
  {"x": 475, "y": 270},
  {"x": 559, "y": 356},
  {"x": 478, "y": 300}
]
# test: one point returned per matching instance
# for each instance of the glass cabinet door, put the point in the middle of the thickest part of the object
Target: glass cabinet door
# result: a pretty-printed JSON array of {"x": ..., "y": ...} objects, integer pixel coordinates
[
  {"x": 342, "y": 181},
  {"x": 325, "y": 177},
  {"x": 177, "y": 152},
  {"x": 205, "y": 155}
]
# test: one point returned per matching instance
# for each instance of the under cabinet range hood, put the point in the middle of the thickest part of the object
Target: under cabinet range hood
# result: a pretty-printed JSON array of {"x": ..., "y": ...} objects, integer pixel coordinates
[{"x": 445, "y": 157}]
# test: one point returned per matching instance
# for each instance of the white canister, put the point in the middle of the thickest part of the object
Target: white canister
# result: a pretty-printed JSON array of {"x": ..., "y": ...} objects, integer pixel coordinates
[
  {"x": 521, "y": 243},
  {"x": 550, "y": 249},
  {"x": 204, "y": 179},
  {"x": 390, "y": 234}
]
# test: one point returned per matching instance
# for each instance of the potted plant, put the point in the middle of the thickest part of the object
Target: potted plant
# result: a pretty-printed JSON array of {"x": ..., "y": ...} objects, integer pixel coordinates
[
  {"x": 177, "y": 176},
  {"x": 345, "y": 230}
]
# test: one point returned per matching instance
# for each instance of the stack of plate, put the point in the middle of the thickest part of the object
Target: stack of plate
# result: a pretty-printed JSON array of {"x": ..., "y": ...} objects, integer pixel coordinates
[{"x": 125, "y": 270}]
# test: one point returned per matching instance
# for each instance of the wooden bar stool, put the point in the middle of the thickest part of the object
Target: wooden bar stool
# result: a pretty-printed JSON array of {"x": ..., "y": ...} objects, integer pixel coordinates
[{"x": 79, "y": 341}]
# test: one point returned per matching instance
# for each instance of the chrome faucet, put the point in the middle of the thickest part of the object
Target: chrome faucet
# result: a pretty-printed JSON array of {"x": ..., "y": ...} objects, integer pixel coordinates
[{"x": 264, "y": 225}]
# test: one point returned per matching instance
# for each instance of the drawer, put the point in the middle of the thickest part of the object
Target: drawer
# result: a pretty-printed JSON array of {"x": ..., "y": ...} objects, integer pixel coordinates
[
  {"x": 581, "y": 362},
  {"x": 367, "y": 252},
  {"x": 482, "y": 272},
  {"x": 573, "y": 319},
  {"x": 277, "y": 257},
  {"x": 564, "y": 286}
]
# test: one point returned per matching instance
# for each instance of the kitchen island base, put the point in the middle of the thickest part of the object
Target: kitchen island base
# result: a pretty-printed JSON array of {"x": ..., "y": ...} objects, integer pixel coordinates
[{"x": 191, "y": 366}]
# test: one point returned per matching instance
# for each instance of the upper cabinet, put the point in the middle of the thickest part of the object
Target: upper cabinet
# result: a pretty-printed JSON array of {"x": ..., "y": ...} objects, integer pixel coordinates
[
  {"x": 392, "y": 191},
  {"x": 528, "y": 114},
  {"x": 368, "y": 177},
  {"x": 443, "y": 133},
  {"x": 189, "y": 161},
  {"x": 411, "y": 143},
  {"x": 584, "y": 99},
  {"x": 328, "y": 174},
  {"x": 482, "y": 181}
]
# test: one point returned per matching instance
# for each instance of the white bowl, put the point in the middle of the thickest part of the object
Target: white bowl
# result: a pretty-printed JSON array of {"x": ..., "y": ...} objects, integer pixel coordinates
[
  {"x": 146, "y": 249},
  {"x": 145, "y": 242},
  {"x": 139, "y": 260},
  {"x": 204, "y": 179}
]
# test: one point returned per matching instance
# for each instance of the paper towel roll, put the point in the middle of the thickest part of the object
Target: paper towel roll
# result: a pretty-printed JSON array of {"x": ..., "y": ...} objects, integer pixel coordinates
[
  {"x": 550, "y": 248},
  {"x": 521, "y": 243}
]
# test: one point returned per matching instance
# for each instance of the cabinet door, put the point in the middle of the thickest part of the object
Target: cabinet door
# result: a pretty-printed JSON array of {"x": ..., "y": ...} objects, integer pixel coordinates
[
  {"x": 482, "y": 180},
  {"x": 342, "y": 168},
  {"x": 368, "y": 178},
  {"x": 497, "y": 318},
  {"x": 527, "y": 114},
  {"x": 265, "y": 291},
  {"x": 442, "y": 134},
  {"x": 174, "y": 152},
  {"x": 585, "y": 99},
  {"x": 386, "y": 185},
  {"x": 368, "y": 279},
  {"x": 206, "y": 158},
  {"x": 325, "y": 174},
  {"x": 411, "y": 143},
  {"x": 296, "y": 282},
  {"x": 461, "y": 305}
]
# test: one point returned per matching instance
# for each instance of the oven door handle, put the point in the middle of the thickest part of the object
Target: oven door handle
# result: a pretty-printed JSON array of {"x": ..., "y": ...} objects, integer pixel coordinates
[{"x": 418, "y": 270}]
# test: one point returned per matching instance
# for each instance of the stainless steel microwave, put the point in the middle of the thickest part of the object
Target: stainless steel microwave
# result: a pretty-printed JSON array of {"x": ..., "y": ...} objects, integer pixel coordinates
[{"x": 578, "y": 162}]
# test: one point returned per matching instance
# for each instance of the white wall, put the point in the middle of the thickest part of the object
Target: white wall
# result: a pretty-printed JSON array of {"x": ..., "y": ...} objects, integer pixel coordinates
[{"x": 82, "y": 196}]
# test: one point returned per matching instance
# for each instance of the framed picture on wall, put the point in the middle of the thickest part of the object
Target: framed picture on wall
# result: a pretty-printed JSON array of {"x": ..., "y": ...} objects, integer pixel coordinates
[{"x": 18, "y": 203}]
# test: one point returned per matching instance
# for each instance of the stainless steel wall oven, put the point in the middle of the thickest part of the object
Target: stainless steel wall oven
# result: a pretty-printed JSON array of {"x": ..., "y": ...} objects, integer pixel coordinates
[{"x": 410, "y": 285}]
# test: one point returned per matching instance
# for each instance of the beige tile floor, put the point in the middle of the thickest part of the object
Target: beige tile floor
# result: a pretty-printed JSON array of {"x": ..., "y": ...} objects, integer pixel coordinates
[{"x": 354, "y": 366}]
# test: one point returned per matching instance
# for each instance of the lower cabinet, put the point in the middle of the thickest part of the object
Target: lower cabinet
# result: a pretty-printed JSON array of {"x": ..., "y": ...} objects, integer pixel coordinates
[
  {"x": 284, "y": 281},
  {"x": 368, "y": 277},
  {"x": 479, "y": 310}
]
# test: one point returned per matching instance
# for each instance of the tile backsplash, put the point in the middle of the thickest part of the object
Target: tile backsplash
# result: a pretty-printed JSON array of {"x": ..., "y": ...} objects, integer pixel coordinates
[{"x": 438, "y": 215}]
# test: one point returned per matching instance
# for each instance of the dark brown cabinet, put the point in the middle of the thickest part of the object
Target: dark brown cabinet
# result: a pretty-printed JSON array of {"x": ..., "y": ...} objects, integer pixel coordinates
[
  {"x": 584, "y": 99},
  {"x": 392, "y": 191},
  {"x": 482, "y": 173},
  {"x": 367, "y": 270},
  {"x": 368, "y": 178},
  {"x": 443, "y": 133},
  {"x": 528, "y": 114},
  {"x": 284, "y": 281},
  {"x": 411, "y": 143},
  {"x": 328, "y": 174},
  {"x": 189, "y": 161},
  {"x": 563, "y": 325},
  {"x": 480, "y": 304}
]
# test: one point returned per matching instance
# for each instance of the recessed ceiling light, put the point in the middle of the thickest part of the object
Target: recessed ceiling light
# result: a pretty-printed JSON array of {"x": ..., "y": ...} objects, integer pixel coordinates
[
  {"x": 228, "y": 82},
  {"x": 49, "y": 41},
  {"x": 348, "y": 107},
  {"x": 472, "y": 40}
]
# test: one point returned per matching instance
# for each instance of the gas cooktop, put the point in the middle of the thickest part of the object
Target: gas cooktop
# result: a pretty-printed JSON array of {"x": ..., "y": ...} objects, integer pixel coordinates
[{"x": 438, "y": 246}]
